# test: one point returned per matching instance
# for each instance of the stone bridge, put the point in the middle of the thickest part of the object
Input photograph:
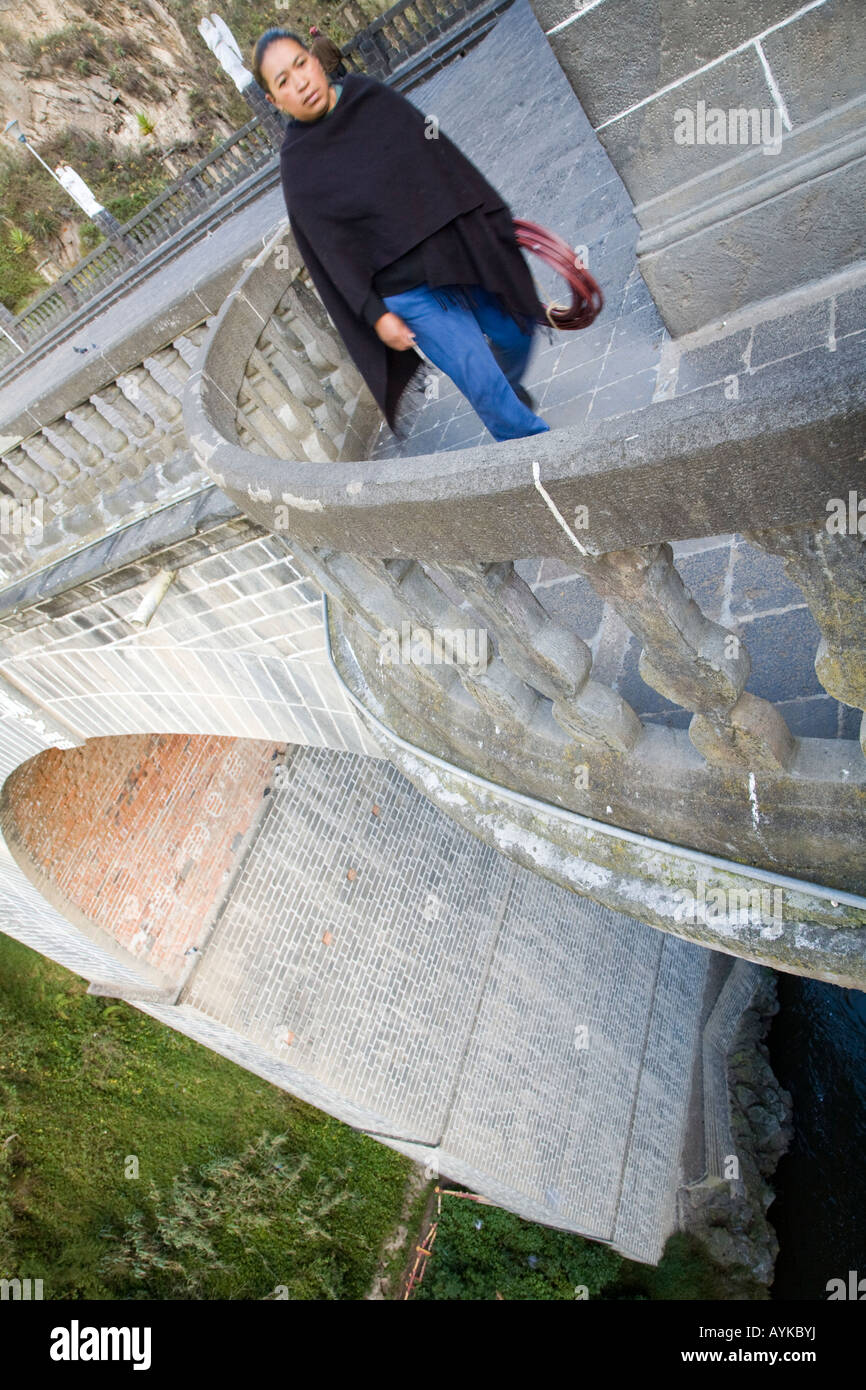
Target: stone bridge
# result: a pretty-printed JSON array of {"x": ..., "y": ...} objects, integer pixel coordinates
[{"x": 662, "y": 727}]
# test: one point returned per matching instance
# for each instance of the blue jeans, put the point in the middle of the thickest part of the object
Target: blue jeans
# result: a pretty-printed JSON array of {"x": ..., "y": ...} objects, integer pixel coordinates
[{"x": 453, "y": 338}]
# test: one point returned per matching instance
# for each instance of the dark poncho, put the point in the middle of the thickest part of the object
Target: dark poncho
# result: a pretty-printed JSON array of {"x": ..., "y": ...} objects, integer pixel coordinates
[{"x": 363, "y": 185}]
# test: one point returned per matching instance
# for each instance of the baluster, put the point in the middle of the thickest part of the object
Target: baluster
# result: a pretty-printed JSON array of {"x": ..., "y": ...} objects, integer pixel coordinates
[
  {"x": 19, "y": 462},
  {"x": 548, "y": 656},
  {"x": 297, "y": 374},
  {"x": 371, "y": 601},
  {"x": 690, "y": 660},
  {"x": 830, "y": 569},
  {"x": 318, "y": 445},
  {"x": 166, "y": 408},
  {"x": 292, "y": 417},
  {"x": 14, "y": 483},
  {"x": 190, "y": 341},
  {"x": 502, "y": 695},
  {"x": 168, "y": 366},
  {"x": 74, "y": 444},
  {"x": 299, "y": 316},
  {"x": 50, "y": 458},
  {"x": 120, "y": 452}
]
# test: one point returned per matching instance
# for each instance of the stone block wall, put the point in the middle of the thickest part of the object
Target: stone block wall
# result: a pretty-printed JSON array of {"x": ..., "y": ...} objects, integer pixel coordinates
[{"x": 716, "y": 200}]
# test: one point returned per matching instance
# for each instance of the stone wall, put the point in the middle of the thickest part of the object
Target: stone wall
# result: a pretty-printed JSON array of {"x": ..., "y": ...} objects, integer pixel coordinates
[{"x": 730, "y": 215}]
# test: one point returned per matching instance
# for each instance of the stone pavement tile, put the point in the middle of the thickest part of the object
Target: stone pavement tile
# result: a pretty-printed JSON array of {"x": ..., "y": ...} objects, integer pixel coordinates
[
  {"x": 760, "y": 582},
  {"x": 568, "y": 385},
  {"x": 817, "y": 717},
  {"x": 464, "y": 430},
  {"x": 569, "y": 412},
  {"x": 635, "y": 355},
  {"x": 778, "y": 338},
  {"x": 851, "y": 312},
  {"x": 631, "y": 394},
  {"x": 713, "y": 362},
  {"x": 572, "y": 601},
  {"x": 782, "y": 647},
  {"x": 638, "y": 323},
  {"x": 705, "y": 575},
  {"x": 586, "y": 344},
  {"x": 638, "y": 297},
  {"x": 850, "y": 720}
]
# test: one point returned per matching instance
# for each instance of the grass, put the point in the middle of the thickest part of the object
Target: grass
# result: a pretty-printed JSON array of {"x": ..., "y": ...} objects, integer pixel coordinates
[{"x": 86, "y": 1084}]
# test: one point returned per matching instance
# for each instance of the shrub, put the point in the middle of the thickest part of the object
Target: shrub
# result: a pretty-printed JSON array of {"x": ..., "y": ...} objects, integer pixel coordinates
[
  {"x": 483, "y": 1252},
  {"x": 236, "y": 1214}
]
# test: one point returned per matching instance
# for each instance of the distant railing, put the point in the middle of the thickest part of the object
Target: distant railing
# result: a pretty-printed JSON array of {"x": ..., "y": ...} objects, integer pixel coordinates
[
  {"x": 404, "y": 30},
  {"x": 245, "y": 152},
  {"x": 379, "y": 50}
]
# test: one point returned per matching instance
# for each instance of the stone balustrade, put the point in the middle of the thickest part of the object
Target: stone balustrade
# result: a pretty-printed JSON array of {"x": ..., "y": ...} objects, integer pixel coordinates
[{"x": 410, "y": 547}]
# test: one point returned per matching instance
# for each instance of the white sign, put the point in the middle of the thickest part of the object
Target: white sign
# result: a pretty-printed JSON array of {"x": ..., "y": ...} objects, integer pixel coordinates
[
  {"x": 74, "y": 184},
  {"x": 223, "y": 44}
]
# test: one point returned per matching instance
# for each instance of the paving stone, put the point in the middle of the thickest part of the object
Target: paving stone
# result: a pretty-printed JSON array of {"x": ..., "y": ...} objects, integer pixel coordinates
[
  {"x": 783, "y": 337},
  {"x": 713, "y": 363},
  {"x": 782, "y": 647}
]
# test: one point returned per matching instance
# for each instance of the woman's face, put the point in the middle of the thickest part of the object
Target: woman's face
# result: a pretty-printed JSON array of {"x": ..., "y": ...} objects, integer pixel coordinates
[{"x": 296, "y": 81}]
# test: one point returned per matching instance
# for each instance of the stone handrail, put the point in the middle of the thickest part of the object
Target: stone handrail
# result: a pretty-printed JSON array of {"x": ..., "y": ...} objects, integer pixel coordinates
[
  {"x": 430, "y": 542},
  {"x": 403, "y": 31}
]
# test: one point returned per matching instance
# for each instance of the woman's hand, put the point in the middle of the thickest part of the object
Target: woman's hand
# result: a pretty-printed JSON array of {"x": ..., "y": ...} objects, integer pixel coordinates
[{"x": 395, "y": 332}]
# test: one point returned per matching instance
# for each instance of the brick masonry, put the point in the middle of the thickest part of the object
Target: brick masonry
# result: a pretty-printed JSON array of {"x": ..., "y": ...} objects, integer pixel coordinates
[{"x": 140, "y": 834}]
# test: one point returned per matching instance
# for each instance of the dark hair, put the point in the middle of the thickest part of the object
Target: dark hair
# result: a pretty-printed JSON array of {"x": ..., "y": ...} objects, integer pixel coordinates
[{"x": 263, "y": 44}]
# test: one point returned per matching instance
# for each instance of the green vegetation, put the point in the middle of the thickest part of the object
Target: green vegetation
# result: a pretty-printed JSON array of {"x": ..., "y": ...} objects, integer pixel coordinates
[
  {"x": 125, "y": 182},
  {"x": 91, "y": 51},
  {"x": 482, "y": 1253},
  {"x": 241, "y": 1188}
]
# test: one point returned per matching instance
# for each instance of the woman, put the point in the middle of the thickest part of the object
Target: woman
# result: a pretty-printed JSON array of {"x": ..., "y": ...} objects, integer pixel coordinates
[{"x": 405, "y": 240}]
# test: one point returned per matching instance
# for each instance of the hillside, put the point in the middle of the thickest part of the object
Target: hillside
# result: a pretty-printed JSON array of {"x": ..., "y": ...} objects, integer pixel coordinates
[{"x": 128, "y": 93}]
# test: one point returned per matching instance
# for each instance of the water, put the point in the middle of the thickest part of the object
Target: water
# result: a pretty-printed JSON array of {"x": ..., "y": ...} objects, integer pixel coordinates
[{"x": 818, "y": 1051}]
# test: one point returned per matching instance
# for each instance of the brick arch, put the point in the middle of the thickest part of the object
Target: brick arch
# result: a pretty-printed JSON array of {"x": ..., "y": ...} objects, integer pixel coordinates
[{"x": 135, "y": 839}]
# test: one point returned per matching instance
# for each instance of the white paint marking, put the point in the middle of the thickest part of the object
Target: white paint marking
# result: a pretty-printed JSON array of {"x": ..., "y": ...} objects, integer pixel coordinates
[
  {"x": 741, "y": 48},
  {"x": 303, "y": 504},
  {"x": 753, "y": 798},
  {"x": 564, "y": 23},
  {"x": 536, "y": 477},
  {"x": 774, "y": 87}
]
